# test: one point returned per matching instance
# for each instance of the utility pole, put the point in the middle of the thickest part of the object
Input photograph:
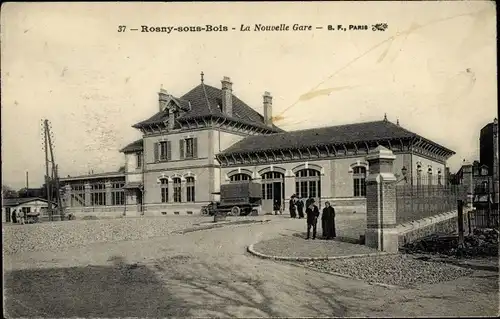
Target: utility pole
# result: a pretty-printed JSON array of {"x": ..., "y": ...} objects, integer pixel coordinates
[{"x": 47, "y": 178}]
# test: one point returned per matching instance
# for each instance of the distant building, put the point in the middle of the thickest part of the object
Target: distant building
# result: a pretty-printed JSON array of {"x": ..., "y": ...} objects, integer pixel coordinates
[
  {"x": 208, "y": 137},
  {"x": 481, "y": 177},
  {"x": 31, "y": 205}
]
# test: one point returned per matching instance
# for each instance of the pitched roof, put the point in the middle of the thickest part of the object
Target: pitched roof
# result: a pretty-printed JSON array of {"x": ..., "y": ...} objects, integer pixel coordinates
[
  {"x": 341, "y": 134},
  {"x": 133, "y": 147},
  {"x": 12, "y": 202},
  {"x": 203, "y": 100}
]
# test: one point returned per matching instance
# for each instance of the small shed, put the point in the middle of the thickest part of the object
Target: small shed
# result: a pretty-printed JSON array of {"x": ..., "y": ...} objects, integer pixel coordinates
[{"x": 29, "y": 206}]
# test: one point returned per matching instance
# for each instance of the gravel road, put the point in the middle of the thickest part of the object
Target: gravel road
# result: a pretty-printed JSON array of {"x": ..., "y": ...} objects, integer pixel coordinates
[{"x": 397, "y": 270}]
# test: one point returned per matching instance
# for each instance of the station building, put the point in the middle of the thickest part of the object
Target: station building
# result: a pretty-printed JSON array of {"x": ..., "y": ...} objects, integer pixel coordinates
[{"x": 208, "y": 137}]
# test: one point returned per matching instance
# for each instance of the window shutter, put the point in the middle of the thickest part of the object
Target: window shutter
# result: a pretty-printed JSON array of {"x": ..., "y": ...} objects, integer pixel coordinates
[
  {"x": 181, "y": 149},
  {"x": 195, "y": 147},
  {"x": 169, "y": 150},
  {"x": 156, "y": 146}
]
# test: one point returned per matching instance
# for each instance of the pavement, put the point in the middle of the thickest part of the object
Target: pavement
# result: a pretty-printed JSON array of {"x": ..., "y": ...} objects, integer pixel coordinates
[{"x": 208, "y": 273}]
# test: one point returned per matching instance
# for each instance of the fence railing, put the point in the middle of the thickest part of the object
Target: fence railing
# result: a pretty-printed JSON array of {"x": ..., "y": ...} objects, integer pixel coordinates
[
  {"x": 414, "y": 202},
  {"x": 483, "y": 218}
]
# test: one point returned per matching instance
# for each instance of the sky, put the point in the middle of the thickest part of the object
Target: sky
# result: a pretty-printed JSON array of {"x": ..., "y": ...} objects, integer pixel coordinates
[{"x": 433, "y": 69}]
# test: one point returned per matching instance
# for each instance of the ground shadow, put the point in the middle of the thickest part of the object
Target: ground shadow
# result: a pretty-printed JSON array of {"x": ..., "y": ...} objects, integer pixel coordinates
[{"x": 177, "y": 286}]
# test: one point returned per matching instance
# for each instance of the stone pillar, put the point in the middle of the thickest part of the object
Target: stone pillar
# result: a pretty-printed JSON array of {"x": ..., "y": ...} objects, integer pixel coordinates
[
  {"x": 289, "y": 184},
  {"x": 170, "y": 190},
  {"x": 108, "y": 193},
  {"x": 183, "y": 190},
  {"x": 468, "y": 182},
  {"x": 381, "y": 232},
  {"x": 67, "y": 195},
  {"x": 87, "y": 195}
]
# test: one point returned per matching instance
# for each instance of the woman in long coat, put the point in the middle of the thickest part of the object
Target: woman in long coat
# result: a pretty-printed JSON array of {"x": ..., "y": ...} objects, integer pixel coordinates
[
  {"x": 328, "y": 221},
  {"x": 293, "y": 207}
]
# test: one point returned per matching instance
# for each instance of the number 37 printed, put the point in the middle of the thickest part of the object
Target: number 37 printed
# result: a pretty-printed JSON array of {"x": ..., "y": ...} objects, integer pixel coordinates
[{"x": 121, "y": 28}]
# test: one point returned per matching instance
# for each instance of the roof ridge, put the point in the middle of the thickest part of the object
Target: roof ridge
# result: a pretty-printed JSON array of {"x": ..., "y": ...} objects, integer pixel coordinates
[{"x": 206, "y": 97}]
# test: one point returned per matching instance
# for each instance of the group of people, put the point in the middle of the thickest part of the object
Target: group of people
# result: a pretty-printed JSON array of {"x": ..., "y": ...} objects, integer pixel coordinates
[
  {"x": 18, "y": 217},
  {"x": 312, "y": 213}
]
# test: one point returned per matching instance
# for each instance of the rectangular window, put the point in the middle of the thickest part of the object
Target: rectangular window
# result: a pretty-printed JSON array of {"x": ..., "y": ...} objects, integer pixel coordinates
[
  {"x": 98, "y": 194},
  {"x": 312, "y": 189},
  {"x": 189, "y": 147},
  {"x": 26, "y": 210},
  {"x": 164, "y": 191},
  {"x": 190, "y": 189},
  {"x": 303, "y": 190},
  {"x": 177, "y": 191},
  {"x": 138, "y": 160},
  {"x": 357, "y": 188},
  {"x": 163, "y": 151},
  {"x": 77, "y": 195},
  {"x": 117, "y": 193}
]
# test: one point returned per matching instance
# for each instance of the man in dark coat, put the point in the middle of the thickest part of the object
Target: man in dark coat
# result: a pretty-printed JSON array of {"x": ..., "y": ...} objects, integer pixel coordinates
[
  {"x": 300, "y": 207},
  {"x": 312, "y": 213},
  {"x": 328, "y": 221},
  {"x": 293, "y": 207},
  {"x": 309, "y": 201}
]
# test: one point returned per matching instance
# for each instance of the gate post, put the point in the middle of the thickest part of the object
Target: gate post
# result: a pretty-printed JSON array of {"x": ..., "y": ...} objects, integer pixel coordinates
[{"x": 381, "y": 231}]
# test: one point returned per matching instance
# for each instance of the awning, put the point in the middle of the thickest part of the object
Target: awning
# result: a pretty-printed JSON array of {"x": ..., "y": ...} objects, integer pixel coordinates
[{"x": 133, "y": 185}]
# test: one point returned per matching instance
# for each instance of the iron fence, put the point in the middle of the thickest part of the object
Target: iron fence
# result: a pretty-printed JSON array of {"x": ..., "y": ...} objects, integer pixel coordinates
[
  {"x": 483, "y": 218},
  {"x": 426, "y": 198}
]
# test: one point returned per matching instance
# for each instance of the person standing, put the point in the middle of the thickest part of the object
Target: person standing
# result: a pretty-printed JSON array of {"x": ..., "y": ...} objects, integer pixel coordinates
[
  {"x": 293, "y": 207},
  {"x": 276, "y": 207},
  {"x": 14, "y": 216},
  {"x": 312, "y": 213},
  {"x": 328, "y": 221},
  {"x": 309, "y": 201},
  {"x": 300, "y": 207},
  {"x": 20, "y": 216}
]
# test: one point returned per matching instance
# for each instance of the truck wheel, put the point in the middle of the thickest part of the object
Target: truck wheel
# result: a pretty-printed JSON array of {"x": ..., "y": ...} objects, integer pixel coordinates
[
  {"x": 204, "y": 211},
  {"x": 235, "y": 211}
]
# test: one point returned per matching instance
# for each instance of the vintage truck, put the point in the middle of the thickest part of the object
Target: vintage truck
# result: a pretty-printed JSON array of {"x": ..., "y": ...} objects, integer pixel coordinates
[{"x": 236, "y": 199}]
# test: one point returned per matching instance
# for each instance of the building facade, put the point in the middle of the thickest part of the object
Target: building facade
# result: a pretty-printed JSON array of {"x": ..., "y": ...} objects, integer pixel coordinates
[{"x": 208, "y": 137}]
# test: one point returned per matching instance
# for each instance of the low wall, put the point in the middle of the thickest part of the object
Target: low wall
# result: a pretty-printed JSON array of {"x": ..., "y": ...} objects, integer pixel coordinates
[{"x": 441, "y": 223}]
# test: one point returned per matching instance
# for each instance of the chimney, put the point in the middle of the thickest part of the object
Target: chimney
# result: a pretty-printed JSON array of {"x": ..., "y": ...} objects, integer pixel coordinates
[
  {"x": 227, "y": 96},
  {"x": 163, "y": 99},
  {"x": 268, "y": 109}
]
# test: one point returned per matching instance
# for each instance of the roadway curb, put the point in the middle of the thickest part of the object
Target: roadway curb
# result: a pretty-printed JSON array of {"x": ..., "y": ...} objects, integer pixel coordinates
[{"x": 251, "y": 250}]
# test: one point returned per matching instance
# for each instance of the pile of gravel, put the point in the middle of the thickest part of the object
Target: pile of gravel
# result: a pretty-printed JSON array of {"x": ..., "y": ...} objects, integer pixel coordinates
[
  {"x": 397, "y": 270},
  {"x": 56, "y": 235},
  {"x": 483, "y": 242}
]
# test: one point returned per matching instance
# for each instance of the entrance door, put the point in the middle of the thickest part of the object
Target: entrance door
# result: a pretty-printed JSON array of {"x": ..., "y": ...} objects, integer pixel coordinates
[
  {"x": 138, "y": 197},
  {"x": 277, "y": 199},
  {"x": 7, "y": 215}
]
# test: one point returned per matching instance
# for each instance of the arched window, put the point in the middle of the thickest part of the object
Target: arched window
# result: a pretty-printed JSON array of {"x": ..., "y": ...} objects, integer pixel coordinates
[
  {"x": 308, "y": 183},
  {"x": 240, "y": 177},
  {"x": 359, "y": 178},
  {"x": 429, "y": 175},
  {"x": 177, "y": 190},
  {"x": 190, "y": 189},
  {"x": 164, "y": 190}
]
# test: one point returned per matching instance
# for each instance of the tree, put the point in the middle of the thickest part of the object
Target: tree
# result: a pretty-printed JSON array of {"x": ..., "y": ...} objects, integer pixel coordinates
[{"x": 9, "y": 192}]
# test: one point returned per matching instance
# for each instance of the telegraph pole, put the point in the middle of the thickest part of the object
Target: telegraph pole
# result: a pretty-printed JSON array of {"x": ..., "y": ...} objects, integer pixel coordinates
[{"x": 47, "y": 177}]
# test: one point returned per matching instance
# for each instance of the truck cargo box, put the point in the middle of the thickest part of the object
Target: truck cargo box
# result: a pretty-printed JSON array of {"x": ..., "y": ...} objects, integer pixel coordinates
[{"x": 240, "y": 193}]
